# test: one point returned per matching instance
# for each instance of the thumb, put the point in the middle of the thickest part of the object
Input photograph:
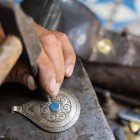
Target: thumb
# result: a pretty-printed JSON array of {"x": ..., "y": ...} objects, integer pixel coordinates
[
  {"x": 21, "y": 74},
  {"x": 28, "y": 81}
]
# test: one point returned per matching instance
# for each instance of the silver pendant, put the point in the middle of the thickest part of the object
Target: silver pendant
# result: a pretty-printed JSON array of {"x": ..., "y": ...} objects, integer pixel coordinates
[{"x": 55, "y": 115}]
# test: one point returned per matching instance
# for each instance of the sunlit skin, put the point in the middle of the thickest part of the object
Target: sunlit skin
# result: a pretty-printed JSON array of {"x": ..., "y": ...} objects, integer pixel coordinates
[{"x": 56, "y": 61}]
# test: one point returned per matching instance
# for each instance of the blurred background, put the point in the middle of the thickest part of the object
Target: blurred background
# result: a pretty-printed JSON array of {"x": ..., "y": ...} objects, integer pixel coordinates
[{"x": 106, "y": 36}]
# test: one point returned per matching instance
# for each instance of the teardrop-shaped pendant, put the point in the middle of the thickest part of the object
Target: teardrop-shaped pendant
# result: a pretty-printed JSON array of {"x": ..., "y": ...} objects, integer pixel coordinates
[{"x": 55, "y": 115}]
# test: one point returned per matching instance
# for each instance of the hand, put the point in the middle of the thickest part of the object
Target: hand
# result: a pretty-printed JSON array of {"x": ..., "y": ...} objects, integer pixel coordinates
[{"x": 57, "y": 60}]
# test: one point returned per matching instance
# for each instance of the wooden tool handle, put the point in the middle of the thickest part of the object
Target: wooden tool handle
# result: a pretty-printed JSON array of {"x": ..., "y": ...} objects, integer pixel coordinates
[{"x": 10, "y": 51}]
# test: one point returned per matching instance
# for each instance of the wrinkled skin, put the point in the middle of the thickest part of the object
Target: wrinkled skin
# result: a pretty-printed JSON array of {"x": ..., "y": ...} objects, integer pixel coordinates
[{"x": 56, "y": 61}]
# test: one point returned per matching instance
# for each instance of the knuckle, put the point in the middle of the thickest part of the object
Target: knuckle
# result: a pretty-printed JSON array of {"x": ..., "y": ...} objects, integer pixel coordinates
[
  {"x": 48, "y": 37},
  {"x": 63, "y": 35}
]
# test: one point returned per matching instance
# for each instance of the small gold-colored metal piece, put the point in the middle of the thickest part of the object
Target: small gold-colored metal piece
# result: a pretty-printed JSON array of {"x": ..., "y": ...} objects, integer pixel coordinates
[
  {"x": 55, "y": 115},
  {"x": 104, "y": 46},
  {"x": 134, "y": 126}
]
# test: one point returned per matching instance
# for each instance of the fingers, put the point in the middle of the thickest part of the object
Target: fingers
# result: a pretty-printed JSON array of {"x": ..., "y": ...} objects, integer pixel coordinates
[
  {"x": 53, "y": 49},
  {"x": 47, "y": 75},
  {"x": 60, "y": 54},
  {"x": 20, "y": 73},
  {"x": 68, "y": 52}
]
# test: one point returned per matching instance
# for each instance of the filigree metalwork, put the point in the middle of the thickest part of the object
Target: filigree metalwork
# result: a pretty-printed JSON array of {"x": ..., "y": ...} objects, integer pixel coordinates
[
  {"x": 65, "y": 109},
  {"x": 54, "y": 121}
]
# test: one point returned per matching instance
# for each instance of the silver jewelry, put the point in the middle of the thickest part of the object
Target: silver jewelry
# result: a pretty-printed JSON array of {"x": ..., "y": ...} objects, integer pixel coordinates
[{"x": 54, "y": 116}]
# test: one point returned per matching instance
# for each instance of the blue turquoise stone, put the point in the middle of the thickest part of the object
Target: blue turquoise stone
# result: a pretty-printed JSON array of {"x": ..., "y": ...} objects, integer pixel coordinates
[
  {"x": 54, "y": 106},
  {"x": 18, "y": 1}
]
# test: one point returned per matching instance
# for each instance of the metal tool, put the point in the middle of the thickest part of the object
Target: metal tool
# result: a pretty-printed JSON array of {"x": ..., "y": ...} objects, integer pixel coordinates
[{"x": 15, "y": 22}]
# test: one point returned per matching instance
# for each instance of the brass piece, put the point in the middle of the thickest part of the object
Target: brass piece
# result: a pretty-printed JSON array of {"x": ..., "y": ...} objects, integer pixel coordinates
[
  {"x": 130, "y": 135},
  {"x": 104, "y": 46},
  {"x": 54, "y": 121},
  {"x": 134, "y": 126}
]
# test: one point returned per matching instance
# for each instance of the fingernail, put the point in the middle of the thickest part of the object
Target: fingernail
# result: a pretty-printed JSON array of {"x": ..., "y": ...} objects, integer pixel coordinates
[
  {"x": 69, "y": 70},
  {"x": 54, "y": 90},
  {"x": 31, "y": 83},
  {"x": 53, "y": 85}
]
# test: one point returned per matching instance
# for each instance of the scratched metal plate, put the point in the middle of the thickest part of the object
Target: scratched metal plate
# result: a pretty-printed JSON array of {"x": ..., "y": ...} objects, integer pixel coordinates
[{"x": 53, "y": 121}]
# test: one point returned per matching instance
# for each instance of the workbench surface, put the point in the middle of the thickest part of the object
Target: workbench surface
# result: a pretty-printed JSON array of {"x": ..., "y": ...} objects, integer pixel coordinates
[{"x": 92, "y": 124}]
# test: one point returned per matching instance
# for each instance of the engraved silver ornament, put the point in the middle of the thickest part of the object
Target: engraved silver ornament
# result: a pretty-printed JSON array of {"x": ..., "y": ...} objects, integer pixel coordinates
[{"x": 55, "y": 115}]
